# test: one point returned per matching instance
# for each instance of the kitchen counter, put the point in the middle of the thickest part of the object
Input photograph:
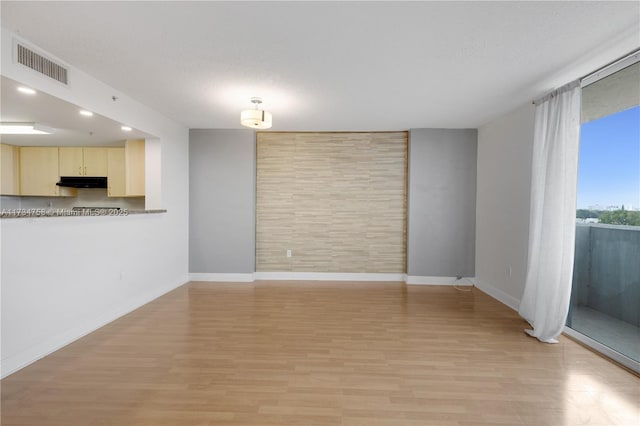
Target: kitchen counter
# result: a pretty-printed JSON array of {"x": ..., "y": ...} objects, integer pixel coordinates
[{"x": 31, "y": 213}]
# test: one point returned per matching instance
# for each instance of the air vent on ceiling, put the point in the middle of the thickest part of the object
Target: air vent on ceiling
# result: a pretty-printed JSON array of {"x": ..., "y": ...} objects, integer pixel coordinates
[{"x": 36, "y": 62}]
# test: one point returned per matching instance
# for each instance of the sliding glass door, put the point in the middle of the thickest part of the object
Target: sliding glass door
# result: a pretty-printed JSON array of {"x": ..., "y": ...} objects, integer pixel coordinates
[{"x": 605, "y": 303}]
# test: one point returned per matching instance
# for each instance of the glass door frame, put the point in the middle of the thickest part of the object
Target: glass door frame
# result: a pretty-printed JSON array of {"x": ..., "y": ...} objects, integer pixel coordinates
[{"x": 604, "y": 350}]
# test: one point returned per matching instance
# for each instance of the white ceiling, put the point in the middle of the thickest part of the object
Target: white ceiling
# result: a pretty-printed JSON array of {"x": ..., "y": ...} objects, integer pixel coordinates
[
  {"x": 70, "y": 128},
  {"x": 325, "y": 65}
]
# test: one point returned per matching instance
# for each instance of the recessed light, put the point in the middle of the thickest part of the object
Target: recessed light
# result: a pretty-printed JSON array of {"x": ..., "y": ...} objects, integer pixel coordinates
[
  {"x": 86, "y": 113},
  {"x": 126, "y": 128},
  {"x": 26, "y": 90}
]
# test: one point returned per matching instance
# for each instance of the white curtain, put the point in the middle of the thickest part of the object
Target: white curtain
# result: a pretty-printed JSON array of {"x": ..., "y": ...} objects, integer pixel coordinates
[{"x": 545, "y": 303}]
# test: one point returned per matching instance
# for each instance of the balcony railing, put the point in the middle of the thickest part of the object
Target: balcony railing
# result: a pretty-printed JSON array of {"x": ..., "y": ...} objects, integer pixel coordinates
[{"x": 605, "y": 300}]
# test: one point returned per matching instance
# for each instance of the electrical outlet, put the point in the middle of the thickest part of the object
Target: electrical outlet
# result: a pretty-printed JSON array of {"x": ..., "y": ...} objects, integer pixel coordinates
[{"x": 289, "y": 253}]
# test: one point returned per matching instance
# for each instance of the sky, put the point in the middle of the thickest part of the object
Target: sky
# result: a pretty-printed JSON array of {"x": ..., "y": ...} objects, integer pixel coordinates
[{"x": 609, "y": 163}]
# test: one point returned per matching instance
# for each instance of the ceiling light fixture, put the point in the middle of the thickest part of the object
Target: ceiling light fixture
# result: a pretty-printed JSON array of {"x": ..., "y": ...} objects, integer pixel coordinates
[
  {"x": 86, "y": 113},
  {"x": 26, "y": 90},
  {"x": 256, "y": 118},
  {"x": 24, "y": 129},
  {"x": 126, "y": 128}
]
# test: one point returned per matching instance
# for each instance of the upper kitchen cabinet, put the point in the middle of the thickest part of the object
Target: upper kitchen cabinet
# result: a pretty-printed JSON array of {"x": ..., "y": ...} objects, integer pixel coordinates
[
  {"x": 78, "y": 161},
  {"x": 95, "y": 161},
  {"x": 10, "y": 170},
  {"x": 70, "y": 161},
  {"x": 39, "y": 172}
]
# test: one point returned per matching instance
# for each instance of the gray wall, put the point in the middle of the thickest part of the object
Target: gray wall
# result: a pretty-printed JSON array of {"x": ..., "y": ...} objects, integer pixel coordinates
[
  {"x": 442, "y": 202},
  {"x": 222, "y": 201},
  {"x": 505, "y": 149}
]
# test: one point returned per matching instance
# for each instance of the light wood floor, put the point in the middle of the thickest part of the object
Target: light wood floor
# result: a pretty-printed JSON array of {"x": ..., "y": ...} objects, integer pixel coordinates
[{"x": 297, "y": 353}]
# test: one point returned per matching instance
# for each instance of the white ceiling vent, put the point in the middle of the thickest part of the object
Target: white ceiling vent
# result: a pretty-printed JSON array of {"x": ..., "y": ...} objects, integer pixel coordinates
[{"x": 39, "y": 63}]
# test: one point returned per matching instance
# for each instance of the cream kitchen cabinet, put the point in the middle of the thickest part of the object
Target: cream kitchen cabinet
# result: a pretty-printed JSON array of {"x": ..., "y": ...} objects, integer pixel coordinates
[
  {"x": 126, "y": 170},
  {"x": 83, "y": 161},
  {"x": 116, "y": 175},
  {"x": 9, "y": 170},
  {"x": 135, "y": 167},
  {"x": 39, "y": 172}
]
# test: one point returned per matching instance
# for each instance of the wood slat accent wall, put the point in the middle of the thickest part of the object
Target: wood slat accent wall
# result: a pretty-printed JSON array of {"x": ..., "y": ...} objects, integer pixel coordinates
[{"x": 336, "y": 200}]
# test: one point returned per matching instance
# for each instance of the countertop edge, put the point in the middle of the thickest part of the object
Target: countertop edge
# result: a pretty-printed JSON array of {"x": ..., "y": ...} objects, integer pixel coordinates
[{"x": 42, "y": 213}]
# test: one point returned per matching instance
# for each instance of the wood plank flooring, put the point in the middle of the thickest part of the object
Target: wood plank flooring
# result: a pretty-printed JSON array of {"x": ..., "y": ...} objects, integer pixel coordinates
[{"x": 323, "y": 353}]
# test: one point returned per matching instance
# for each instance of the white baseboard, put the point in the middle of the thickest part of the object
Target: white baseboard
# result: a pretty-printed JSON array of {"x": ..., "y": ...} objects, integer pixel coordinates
[
  {"x": 13, "y": 363},
  {"x": 420, "y": 280},
  {"x": 224, "y": 277},
  {"x": 498, "y": 294},
  {"x": 327, "y": 276}
]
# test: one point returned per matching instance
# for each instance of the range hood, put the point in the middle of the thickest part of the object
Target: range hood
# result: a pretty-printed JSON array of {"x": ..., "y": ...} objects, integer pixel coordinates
[{"x": 83, "y": 181}]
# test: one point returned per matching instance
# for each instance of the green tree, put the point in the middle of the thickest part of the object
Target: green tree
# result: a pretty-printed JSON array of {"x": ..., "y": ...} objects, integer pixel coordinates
[
  {"x": 586, "y": 214},
  {"x": 621, "y": 217}
]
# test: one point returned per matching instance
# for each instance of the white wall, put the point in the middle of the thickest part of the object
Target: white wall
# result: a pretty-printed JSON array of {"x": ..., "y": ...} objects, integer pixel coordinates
[
  {"x": 505, "y": 147},
  {"x": 64, "y": 277},
  {"x": 502, "y": 207}
]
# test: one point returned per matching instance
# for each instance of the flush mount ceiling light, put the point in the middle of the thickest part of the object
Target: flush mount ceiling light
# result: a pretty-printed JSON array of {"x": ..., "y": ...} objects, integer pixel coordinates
[
  {"x": 86, "y": 113},
  {"x": 256, "y": 118},
  {"x": 24, "y": 129},
  {"x": 126, "y": 128}
]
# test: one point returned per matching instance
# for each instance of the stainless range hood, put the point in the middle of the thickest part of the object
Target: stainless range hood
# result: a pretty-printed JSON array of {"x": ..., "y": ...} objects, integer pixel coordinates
[{"x": 83, "y": 181}]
